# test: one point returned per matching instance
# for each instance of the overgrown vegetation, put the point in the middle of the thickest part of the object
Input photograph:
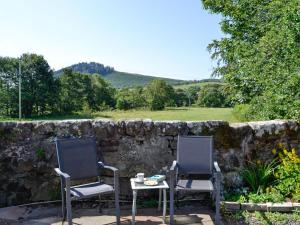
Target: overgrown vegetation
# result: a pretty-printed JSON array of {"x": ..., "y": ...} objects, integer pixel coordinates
[
  {"x": 262, "y": 218},
  {"x": 275, "y": 181}
]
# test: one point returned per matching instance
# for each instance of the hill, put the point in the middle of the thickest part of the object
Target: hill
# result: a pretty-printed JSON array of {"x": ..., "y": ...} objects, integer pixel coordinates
[
  {"x": 122, "y": 79},
  {"x": 200, "y": 83},
  {"x": 116, "y": 78}
]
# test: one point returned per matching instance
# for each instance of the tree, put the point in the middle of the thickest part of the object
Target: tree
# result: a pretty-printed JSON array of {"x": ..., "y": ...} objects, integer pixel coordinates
[
  {"x": 259, "y": 56},
  {"x": 84, "y": 92},
  {"x": 130, "y": 98},
  {"x": 181, "y": 97},
  {"x": 38, "y": 85},
  {"x": 159, "y": 95},
  {"x": 71, "y": 92},
  {"x": 212, "y": 95},
  {"x": 8, "y": 86},
  {"x": 100, "y": 94},
  {"x": 192, "y": 94}
]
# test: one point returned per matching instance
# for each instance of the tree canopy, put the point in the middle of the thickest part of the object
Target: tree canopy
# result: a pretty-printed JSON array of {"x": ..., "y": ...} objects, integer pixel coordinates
[
  {"x": 259, "y": 54},
  {"x": 37, "y": 85}
]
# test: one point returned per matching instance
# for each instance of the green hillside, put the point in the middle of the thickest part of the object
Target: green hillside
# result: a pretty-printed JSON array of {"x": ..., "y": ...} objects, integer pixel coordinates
[
  {"x": 116, "y": 78},
  {"x": 122, "y": 79},
  {"x": 185, "y": 85}
]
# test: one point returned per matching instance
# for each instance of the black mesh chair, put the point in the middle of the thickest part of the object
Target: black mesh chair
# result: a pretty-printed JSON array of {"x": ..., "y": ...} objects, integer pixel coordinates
[
  {"x": 194, "y": 157},
  {"x": 77, "y": 160}
]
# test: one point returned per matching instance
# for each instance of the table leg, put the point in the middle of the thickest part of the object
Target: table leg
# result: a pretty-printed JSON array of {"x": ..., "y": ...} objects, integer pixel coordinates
[
  {"x": 165, "y": 205},
  {"x": 134, "y": 206},
  {"x": 159, "y": 200}
]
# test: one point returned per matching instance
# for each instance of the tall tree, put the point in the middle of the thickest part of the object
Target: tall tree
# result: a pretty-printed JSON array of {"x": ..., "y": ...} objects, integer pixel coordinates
[
  {"x": 38, "y": 85},
  {"x": 259, "y": 56},
  {"x": 78, "y": 91},
  {"x": 8, "y": 85},
  {"x": 159, "y": 95},
  {"x": 71, "y": 91}
]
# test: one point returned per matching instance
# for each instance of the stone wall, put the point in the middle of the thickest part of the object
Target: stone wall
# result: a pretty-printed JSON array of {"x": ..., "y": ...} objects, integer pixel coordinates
[{"x": 27, "y": 151}]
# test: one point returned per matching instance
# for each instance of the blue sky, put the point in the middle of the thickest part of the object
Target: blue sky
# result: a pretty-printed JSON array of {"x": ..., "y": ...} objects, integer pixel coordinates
[{"x": 153, "y": 37}]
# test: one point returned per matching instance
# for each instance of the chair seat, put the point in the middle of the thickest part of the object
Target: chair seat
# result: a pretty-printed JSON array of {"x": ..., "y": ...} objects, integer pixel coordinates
[
  {"x": 90, "y": 189},
  {"x": 195, "y": 185}
]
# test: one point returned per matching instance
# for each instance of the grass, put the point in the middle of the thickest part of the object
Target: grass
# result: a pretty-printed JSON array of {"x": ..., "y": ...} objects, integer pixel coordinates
[
  {"x": 181, "y": 113},
  {"x": 200, "y": 84}
]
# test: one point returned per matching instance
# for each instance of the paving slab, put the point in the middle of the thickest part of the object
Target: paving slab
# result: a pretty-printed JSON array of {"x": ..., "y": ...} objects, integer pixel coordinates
[{"x": 51, "y": 216}]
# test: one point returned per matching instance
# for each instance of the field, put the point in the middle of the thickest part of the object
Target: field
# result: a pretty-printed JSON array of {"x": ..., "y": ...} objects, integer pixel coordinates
[
  {"x": 200, "y": 84},
  {"x": 182, "y": 113}
]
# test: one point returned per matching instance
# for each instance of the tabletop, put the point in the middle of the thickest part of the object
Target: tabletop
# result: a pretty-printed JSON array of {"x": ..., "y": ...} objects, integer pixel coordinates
[{"x": 141, "y": 186}]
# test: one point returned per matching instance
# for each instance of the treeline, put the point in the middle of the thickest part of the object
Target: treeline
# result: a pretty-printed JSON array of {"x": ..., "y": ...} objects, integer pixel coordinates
[
  {"x": 71, "y": 92},
  {"x": 43, "y": 93}
]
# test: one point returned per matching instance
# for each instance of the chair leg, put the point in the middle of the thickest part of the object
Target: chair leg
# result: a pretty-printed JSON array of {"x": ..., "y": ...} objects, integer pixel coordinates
[
  {"x": 99, "y": 207},
  {"x": 117, "y": 205},
  {"x": 63, "y": 202},
  {"x": 217, "y": 199},
  {"x": 69, "y": 207},
  {"x": 177, "y": 200},
  {"x": 171, "y": 205}
]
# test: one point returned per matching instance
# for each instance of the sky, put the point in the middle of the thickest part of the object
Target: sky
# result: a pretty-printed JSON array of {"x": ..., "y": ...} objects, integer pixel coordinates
[{"x": 165, "y": 38}]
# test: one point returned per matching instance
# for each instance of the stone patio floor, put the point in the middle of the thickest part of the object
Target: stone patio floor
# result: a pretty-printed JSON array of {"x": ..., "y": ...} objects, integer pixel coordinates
[{"x": 51, "y": 215}]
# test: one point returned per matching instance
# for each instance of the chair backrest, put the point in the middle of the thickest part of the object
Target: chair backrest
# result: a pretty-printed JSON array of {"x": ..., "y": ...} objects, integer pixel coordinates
[
  {"x": 77, "y": 157},
  {"x": 194, "y": 154}
]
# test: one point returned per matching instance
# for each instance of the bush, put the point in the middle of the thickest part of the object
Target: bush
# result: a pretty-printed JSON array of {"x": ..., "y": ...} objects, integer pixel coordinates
[
  {"x": 130, "y": 98},
  {"x": 288, "y": 173},
  {"x": 212, "y": 95},
  {"x": 258, "y": 176},
  {"x": 275, "y": 181},
  {"x": 241, "y": 112}
]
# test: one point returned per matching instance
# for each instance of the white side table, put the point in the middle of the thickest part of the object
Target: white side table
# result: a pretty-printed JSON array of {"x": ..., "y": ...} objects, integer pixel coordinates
[{"x": 162, "y": 186}]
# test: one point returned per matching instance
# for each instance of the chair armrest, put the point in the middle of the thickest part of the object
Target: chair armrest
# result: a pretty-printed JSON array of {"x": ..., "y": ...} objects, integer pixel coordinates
[
  {"x": 174, "y": 166},
  {"x": 62, "y": 174},
  {"x": 116, "y": 174},
  {"x": 172, "y": 175},
  {"x": 103, "y": 166},
  {"x": 216, "y": 167}
]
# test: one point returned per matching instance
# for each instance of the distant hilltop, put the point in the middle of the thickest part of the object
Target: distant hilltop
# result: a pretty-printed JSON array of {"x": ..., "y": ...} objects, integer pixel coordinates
[{"x": 121, "y": 79}]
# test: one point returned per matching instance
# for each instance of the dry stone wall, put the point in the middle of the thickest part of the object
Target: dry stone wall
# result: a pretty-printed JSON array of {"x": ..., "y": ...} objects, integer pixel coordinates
[{"x": 27, "y": 150}]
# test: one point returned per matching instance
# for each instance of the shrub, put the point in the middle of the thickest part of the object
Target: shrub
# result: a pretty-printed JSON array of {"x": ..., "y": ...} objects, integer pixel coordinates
[
  {"x": 288, "y": 172},
  {"x": 241, "y": 112},
  {"x": 212, "y": 95},
  {"x": 258, "y": 176},
  {"x": 265, "y": 197}
]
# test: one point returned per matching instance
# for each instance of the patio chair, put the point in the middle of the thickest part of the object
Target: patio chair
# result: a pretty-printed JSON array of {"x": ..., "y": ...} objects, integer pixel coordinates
[
  {"x": 194, "y": 157},
  {"x": 77, "y": 160}
]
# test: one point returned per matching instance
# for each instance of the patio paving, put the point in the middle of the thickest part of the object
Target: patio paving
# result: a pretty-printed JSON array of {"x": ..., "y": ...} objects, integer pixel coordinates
[{"x": 87, "y": 216}]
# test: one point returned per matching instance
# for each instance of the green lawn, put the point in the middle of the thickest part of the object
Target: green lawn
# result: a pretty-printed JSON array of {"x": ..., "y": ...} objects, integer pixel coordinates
[{"x": 182, "y": 113}]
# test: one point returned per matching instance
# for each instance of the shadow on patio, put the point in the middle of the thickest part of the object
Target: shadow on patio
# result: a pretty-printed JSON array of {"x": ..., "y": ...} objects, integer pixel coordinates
[{"x": 90, "y": 216}]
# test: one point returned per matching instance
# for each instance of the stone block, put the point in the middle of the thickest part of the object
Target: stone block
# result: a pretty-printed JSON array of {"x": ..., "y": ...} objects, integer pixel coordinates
[
  {"x": 231, "y": 206},
  {"x": 254, "y": 206},
  {"x": 296, "y": 206},
  {"x": 280, "y": 207}
]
